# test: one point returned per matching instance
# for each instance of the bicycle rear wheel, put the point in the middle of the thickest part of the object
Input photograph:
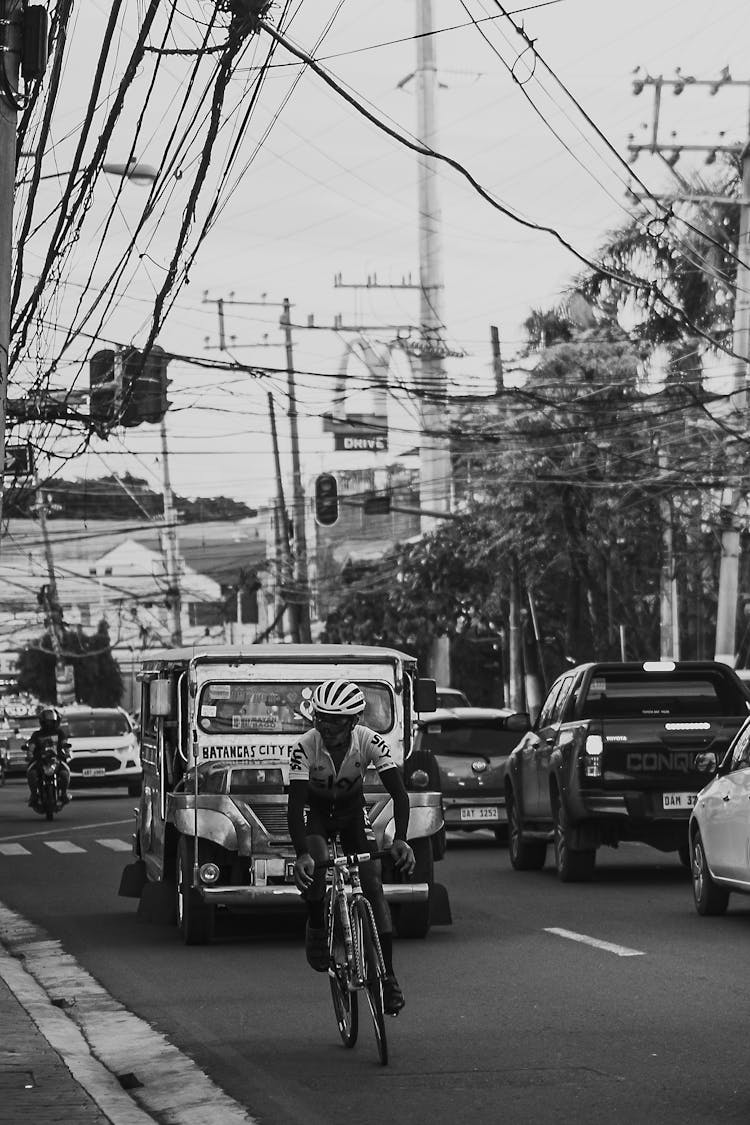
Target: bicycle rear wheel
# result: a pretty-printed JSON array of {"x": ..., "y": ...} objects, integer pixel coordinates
[
  {"x": 371, "y": 969},
  {"x": 344, "y": 999}
]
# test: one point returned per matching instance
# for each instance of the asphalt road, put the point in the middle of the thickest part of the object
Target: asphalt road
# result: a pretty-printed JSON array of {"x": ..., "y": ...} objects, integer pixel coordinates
[{"x": 609, "y": 1002}]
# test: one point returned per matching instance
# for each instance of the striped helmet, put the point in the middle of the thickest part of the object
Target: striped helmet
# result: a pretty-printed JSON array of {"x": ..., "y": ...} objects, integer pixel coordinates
[{"x": 338, "y": 697}]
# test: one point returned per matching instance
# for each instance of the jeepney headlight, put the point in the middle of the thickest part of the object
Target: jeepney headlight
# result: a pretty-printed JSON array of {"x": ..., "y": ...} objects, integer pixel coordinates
[
  {"x": 592, "y": 755},
  {"x": 419, "y": 779},
  {"x": 209, "y": 873}
]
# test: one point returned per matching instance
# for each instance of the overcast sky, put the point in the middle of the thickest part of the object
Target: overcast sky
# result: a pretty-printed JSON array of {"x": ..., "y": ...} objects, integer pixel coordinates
[{"x": 320, "y": 191}]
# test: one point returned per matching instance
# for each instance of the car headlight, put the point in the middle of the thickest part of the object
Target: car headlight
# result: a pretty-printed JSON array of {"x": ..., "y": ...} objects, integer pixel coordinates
[
  {"x": 419, "y": 779},
  {"x": 209, "y": 873}
]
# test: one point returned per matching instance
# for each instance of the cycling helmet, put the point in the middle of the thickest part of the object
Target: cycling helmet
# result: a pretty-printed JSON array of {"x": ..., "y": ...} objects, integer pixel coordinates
[{"x": 339, "y": 698}]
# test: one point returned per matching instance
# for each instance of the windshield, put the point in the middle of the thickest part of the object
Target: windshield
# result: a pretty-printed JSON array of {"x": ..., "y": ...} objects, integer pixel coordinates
[
  {"x": 277, "y": 707},
  {"x": 457, "y": 737},
  {"x": 96, "y": 726}
]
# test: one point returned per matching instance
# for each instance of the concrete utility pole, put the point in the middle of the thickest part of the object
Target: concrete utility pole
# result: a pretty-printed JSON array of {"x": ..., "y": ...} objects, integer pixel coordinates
[
  {"x": 434, "y": 453},
  {"x": 171, "y": 555},
  {"x": 11, "y": 15},
  {"x": 302, "y": 586},
  {"x": 731, "y": 510}
]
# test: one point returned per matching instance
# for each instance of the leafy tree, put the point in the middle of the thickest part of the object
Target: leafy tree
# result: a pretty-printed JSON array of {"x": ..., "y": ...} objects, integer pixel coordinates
[{"x": 98, "y": 680}]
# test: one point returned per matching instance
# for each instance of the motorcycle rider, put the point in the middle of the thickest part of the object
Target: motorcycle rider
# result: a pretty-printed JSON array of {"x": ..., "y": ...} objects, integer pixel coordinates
[{"x": 50, "y": 731}]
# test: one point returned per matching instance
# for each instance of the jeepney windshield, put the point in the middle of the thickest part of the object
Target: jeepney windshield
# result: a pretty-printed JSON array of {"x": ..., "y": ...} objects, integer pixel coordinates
[{"x": 279, "y": 707}]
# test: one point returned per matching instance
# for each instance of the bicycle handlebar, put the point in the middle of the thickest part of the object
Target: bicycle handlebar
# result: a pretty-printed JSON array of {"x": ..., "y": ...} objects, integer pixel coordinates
[{"x": 352, "y": 859}]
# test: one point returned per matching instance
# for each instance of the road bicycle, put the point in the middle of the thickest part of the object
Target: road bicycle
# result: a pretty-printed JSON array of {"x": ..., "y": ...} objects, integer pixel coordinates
[{"x": 355, "y": 957}]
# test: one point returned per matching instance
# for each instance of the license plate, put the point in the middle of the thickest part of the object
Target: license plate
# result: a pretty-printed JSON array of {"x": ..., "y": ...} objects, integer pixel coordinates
[
  {"x": 98, "y": 772},
  {"x": 481, "y": 812},
  {"x": 679, "y": 800}
]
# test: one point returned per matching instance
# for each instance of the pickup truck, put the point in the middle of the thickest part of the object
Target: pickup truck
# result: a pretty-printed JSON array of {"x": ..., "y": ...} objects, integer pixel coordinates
[{"x": 618, "y": 753}]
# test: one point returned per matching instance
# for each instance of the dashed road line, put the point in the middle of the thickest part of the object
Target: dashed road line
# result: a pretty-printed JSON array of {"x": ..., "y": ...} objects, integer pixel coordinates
[
  {"x": 64, "y": 847},
  {"x": 116, "y": 845},
  {"x": 13, "y": 849},
  {"x": 66, "y": 828},
  {"x": 597, "y": 943}
]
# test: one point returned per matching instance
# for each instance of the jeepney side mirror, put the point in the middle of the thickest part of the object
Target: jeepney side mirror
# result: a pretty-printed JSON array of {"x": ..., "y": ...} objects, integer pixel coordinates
[
  {"x": 160, "y": 697},
  {"x": 426, "y": 695},
  {"x": 519, "y": 721}
]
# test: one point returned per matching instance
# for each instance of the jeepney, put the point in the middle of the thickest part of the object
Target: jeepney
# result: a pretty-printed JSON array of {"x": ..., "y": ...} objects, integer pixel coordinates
[{"x": 218, "y": 726}]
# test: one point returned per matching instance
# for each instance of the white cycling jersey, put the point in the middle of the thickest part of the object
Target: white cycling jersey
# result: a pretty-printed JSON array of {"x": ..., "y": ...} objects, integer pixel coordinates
[{"x": 311, "y": 762}]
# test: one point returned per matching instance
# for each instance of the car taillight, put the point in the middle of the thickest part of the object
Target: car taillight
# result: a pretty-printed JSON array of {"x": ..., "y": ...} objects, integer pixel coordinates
[{"x": 592, "y": 755}]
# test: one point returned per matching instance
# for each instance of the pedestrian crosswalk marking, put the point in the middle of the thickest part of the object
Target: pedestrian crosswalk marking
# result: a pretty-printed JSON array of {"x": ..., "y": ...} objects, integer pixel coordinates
[
  {"x": 67, "y": 847},
  {"x": 116, "y": 845}
]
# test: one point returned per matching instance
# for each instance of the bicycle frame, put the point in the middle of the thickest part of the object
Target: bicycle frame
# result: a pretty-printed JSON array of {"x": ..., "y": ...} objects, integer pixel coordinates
[{"x": 356, "y": 959}]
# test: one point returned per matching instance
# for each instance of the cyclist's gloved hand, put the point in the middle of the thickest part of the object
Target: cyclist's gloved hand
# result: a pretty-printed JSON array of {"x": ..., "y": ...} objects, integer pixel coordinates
[
  {"x": 304, "y": 869},
  {"x": 403, "y": 857}
]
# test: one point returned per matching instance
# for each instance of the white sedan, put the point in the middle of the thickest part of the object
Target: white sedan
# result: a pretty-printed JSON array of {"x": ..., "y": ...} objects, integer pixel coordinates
[{"x": 720, "y": 830}]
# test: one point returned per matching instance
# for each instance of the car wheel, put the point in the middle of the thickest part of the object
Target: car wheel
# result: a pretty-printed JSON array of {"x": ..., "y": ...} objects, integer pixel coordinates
[
  {"x": 412, "y": 920},
  {"x": 525, "y": 855},
  {"x": 710, "y": 898},
  {"x": 572, "y": 866},
  {"x": 195, "y": 919}
]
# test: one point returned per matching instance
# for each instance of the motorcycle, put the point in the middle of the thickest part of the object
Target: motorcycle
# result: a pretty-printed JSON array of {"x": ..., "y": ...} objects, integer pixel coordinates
[{"x": 49, "y": 796}]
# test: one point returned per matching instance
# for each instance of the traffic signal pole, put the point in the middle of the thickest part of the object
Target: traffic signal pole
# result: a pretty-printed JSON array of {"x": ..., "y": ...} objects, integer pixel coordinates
[
  {"x": 11, "y": 14},
  {"x": 171, "y": 557}
]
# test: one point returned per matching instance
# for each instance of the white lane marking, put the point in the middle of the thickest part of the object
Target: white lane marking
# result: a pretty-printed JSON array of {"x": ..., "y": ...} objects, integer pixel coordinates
[
  {"x": 116, "y": 845},
  {"x": 66, "y": 828},
  {"x": 173, "y": 1087},
  {"x": 64, "y": 847},
  {"x": 607, "y": 946},
  {"x": 13, "y": 849}
]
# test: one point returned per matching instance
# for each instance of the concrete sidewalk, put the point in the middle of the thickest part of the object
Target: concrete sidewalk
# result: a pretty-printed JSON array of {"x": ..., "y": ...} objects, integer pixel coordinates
[{"x": 35, "y": 1084}]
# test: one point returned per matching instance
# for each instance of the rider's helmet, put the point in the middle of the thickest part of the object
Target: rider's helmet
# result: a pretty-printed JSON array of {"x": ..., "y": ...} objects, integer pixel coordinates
[
  {"x": 49, "y": 720},
  {"x": 337, "y": 699}
]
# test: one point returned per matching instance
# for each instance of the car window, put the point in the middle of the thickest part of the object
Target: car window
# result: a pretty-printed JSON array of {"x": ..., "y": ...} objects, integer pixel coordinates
[
  {"x": 545, "y": 715},
  {"x": 457, "y": 737},
  {"x": 96, "y": 726},
  {"x": 562, "y": 699},
  {"x": 741, "y": 751},
  {"x": 451, "y": 699},
  {"x": 637, "y": 693}
]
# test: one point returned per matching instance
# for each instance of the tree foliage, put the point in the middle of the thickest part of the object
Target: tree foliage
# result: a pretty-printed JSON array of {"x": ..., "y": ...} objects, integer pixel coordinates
[{"x": 98, "y": 681}]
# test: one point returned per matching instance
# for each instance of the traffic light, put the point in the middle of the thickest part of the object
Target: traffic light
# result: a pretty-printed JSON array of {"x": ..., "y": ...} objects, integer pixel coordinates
[
  {"x": 326, "y": 499},
  {"x": 145, "y": 382},
  {"x": 102, "y": 388}
]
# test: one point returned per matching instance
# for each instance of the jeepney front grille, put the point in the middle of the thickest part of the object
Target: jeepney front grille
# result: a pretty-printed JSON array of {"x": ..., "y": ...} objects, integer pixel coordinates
[{"x": 272, "y": 817}]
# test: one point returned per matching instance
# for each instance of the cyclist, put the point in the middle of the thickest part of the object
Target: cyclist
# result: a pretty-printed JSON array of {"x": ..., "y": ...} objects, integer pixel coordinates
[
  {"x": 49, "y": 732},
  {"x": 326, "y": 774}
]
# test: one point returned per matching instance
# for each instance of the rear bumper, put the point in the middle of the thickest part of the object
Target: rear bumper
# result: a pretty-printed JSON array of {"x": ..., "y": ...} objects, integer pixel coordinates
[
  {"x": 118, "y": 780},
  {"x": 288, "y": 897}
]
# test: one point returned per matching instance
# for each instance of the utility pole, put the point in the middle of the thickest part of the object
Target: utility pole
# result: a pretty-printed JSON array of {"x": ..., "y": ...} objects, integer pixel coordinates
[
  {"x": 435, "y": 462},
  {"x": 64, "y": 675},
  {"x": 293, "y": 564},
  {"x": 302, "y": 586},
  {"x": 11, "y": 16},
  {"x": 731, "y": 511},
  {"x": 171, "y": 555}
]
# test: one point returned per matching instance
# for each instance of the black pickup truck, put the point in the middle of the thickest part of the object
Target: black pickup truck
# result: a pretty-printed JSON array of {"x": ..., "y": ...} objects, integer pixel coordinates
[{"x": 612, "y": 756}]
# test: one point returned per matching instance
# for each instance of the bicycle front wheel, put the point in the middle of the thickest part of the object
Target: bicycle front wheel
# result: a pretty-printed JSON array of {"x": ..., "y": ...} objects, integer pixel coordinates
[
  {"x": 370, "y": 968},
  {"x": 339, "y": 975}
]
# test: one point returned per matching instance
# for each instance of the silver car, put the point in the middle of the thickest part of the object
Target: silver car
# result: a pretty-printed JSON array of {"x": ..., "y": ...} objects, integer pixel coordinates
[{"x": 719, "y": 828}]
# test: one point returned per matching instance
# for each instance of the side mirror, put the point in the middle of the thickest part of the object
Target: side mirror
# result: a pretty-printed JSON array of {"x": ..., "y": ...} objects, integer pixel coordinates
[
  {"x": 706, "y": 762},
  {"x": 426, "y": 695},
  {"x": 520, "y": 721}
]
